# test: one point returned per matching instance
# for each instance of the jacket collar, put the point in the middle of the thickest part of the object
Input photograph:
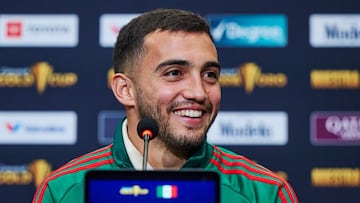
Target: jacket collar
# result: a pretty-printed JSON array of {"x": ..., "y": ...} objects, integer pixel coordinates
[{"x": 200, "y": 159}]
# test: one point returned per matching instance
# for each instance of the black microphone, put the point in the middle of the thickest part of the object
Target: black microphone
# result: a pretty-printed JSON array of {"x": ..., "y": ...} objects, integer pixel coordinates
[{"x": 147, "y": 129}]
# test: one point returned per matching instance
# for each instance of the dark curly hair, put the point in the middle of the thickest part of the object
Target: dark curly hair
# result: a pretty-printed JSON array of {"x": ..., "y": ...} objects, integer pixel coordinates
[{"x": 129, "y": 46}]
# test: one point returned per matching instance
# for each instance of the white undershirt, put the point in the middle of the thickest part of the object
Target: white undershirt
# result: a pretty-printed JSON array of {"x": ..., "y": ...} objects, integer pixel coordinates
[{"x": 135, "y": 156}]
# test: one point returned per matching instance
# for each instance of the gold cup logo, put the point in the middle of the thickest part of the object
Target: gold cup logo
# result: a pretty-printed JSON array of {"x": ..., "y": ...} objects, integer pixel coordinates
[
  {"x": 41, "y": 72},
  {"x": 40, "y": 169},
  {"x": 110, "y": 75},
  {"x": 250, "y": 73}
]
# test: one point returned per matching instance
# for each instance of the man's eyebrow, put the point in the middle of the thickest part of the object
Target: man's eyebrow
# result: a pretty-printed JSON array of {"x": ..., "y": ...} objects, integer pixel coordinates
[
  {"x": 186, "y": 63},
  {"x": 212, "y": 64},
  {"x": 172, "y": 62}
]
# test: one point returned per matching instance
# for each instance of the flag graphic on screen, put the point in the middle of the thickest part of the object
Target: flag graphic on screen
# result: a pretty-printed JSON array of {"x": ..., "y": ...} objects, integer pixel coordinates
[{"x": 167, "y": 191}]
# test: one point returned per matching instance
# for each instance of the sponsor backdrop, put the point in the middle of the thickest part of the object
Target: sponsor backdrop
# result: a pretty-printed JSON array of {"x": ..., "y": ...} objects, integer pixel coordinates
[{"x": 290, "y": 82}]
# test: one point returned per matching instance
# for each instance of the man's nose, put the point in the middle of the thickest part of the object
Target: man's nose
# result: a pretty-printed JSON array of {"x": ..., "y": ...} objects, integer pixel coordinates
[{"x": 195, "y": 89}]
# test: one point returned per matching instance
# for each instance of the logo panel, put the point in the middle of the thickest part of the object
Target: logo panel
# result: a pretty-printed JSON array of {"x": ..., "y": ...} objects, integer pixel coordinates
[
  {"x": 340, "y": 30},
  {"x": 39, "y": 30},
  {"x": 249, "y": 30},
  {"x": 335, "y": 177},
  {"x": 41, "y": 75},
  {"x": 335, "y": 79},
  {"x": 335, "y": 128},
  {"x": 35, "y": 127},
  {"x": 249, "y": 128},
  {"x": 110, "y": 26},
  {"x": 107, "y": 123},
  {"x": 24, "y": 174},
  {"x": 250, "y": 76}
]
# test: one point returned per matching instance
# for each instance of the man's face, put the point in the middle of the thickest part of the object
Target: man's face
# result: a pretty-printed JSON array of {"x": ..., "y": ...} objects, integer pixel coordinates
[{"x": 178, "y": 85}]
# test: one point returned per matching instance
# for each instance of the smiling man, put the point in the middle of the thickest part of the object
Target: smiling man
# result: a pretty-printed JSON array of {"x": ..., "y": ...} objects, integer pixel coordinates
[
  {"x": 175, "y": 82},
  {"x": 167, "y": 68}
]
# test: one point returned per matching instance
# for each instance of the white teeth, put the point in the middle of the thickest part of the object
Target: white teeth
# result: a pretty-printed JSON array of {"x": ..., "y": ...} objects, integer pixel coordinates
[{"x": 189, "y": 113}]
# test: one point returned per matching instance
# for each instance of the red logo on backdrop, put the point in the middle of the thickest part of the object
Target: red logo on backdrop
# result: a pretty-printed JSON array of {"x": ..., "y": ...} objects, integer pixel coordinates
[
  {"x": 115, "y": 29},
  {"x": 12, "y": 127},
  {"x": 335, "y": 128},
  {"x": 14, "y": 29}
]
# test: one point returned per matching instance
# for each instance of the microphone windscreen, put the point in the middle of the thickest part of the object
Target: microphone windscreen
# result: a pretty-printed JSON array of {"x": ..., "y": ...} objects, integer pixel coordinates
[{"x": 147, "y": 126}]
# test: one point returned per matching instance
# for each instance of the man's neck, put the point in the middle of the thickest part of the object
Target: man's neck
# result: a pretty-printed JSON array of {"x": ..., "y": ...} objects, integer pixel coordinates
[
  {"x": 159, "y": 157},
  {"x": 162, "y": 158}
]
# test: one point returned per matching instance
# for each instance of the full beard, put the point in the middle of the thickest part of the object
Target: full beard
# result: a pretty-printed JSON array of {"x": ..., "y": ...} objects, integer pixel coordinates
[{"x": 180, "y": 144}]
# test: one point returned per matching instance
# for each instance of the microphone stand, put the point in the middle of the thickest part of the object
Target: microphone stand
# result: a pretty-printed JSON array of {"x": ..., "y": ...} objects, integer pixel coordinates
[{"x": 145, "y": 157}]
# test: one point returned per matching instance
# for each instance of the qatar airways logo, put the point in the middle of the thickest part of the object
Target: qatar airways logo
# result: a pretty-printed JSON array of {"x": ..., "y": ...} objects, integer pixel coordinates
[
  {"x": 340, "y": 30},
  {"x": 335, "y": 128}
]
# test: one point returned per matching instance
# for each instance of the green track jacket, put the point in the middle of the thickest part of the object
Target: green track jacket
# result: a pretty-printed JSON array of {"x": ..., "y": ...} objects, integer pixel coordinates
[{"x": 242, "y": 181}]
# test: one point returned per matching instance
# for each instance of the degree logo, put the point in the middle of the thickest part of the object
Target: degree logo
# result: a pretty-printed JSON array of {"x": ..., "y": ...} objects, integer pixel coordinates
[{"x": 249, "y": 30}]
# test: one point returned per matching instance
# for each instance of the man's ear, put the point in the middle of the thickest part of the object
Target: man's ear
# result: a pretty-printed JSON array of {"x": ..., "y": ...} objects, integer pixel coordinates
[{"x": 123, "y": 89}]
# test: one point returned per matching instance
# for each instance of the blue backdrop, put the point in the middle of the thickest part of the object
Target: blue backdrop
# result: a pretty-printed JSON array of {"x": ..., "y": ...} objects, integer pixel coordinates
[{"x": 295, "y": 61}]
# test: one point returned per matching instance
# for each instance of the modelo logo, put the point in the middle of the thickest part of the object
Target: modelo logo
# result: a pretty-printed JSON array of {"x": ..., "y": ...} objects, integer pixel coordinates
[
  {"x": 249, "y": 30},
  {"x": 335, "y": 128},
  {"x": 249, "y": 128},
  {"x": 340, "y": 30}
]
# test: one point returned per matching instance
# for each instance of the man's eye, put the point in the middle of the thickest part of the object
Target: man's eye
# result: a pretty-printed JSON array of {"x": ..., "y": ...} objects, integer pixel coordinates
[
  {"x": 212, "y": 75},
  {"x": 173, "y": 73}
]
